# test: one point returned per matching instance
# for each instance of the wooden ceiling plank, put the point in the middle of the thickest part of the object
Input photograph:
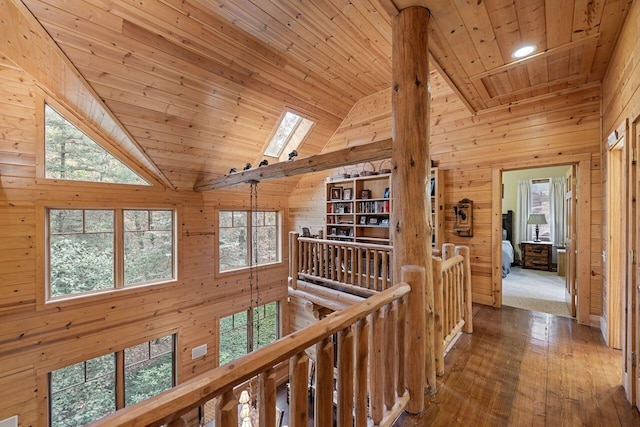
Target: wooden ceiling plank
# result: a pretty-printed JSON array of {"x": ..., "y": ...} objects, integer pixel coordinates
[
  {"x": 348, "y": 156},
  {"x": 478, "y": 24},
  {"x": 612, "y": 19},
  {"x": 536, "y": 56},
  {"x": 505, "y": 21},
  {"x": 587, "y": 15},
  {"x": 559, "y": 81},
  {"x": 531, "y": 20},
  {"x": 449, "y": 24},
  {"x": 558, "y": 14}
]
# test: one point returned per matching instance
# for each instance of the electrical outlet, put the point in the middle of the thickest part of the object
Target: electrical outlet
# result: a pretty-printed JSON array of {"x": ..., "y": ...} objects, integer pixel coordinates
[{"x": 198, "y": 351}]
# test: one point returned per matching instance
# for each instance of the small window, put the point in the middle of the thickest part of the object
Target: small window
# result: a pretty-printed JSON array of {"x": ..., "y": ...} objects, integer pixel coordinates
[
  {"x": 541, "y": 204},
  {"x": 249, "y": 330},
  {"x": 290, "y": 133},
  {"x": 83, "y": 256},
  {"x": 87, "y": 391},
  {"x": 70, "y": 154},
  {"x": 244, "y": 238}
]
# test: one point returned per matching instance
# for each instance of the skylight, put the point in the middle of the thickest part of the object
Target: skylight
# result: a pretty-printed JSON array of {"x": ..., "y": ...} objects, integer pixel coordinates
[{"x": 290, "y": 133}]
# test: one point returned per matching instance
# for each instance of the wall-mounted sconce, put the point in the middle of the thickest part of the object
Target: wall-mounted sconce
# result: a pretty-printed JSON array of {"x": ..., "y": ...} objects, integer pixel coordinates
[{"x": 463, "y": 223}]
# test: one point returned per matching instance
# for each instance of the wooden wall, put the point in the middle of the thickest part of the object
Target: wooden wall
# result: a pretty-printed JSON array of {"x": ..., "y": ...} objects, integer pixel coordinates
[
  {"x": 621, "y": 100},
  {"x": 35, "y": 339},
  {"x": 468, "y": 148}
]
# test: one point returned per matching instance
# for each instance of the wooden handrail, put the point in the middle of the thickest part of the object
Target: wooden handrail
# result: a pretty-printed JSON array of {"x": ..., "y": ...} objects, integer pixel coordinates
[{"x": 169, "y": 405}]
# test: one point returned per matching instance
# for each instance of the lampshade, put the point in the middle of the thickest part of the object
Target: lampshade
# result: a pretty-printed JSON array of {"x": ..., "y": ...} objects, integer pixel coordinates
[
  {"x": 536, "y": 219},
  {"x": 244, "y": 397}
]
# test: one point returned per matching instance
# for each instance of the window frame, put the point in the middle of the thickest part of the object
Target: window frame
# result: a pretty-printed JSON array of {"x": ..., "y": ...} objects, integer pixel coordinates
[
  {"x": 547, "y": 181},
  {"x": 43, "y": 297},
  {"x": 119, "y": 372},
  {"x": 95, "y": 135},
  {"x": 249, "y": 241},
  {"x": 249, "y": 326}
]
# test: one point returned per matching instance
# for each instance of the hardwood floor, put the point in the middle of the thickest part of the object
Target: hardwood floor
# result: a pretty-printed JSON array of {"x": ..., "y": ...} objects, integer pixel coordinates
[{"x": 524, "y": 368}]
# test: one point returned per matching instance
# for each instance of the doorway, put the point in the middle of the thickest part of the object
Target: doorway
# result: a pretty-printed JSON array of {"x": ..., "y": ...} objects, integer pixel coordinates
[
  {"x": 536, "y": 279},
  {"x": 583, "y": 230}
]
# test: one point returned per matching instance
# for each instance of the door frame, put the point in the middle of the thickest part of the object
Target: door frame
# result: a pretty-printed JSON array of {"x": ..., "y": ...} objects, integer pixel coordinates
[{"x": 583, "y": 226}]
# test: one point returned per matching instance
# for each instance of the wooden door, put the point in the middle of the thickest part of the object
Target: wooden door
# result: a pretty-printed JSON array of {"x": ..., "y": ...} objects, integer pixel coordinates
[{"x": 570, "y": 240}]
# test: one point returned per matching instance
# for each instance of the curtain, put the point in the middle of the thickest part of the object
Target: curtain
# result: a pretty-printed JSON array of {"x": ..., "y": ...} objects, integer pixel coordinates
[
  {"x": 556, "y": 204},
  {"x": 522, "y": 232}
]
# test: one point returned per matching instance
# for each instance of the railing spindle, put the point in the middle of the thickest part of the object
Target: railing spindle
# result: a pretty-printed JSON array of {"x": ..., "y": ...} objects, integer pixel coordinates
[
  {"x": 345, "y": 377},
  {"x": 323, "y": 398},
  {"x": 438, "y": 308},
  {"x": 361, "y": 372},
  {"x": 229, "y": 409},
  {"x": 299, "y": 399},
  {"x": 376, "y": 363},
  {"x": 267, "y": 400},
  {"x": 391, "y": 355}
]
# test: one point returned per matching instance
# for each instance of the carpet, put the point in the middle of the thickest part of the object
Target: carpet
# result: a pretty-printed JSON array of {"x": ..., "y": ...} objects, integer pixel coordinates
[{"x": 535, "y": 290}]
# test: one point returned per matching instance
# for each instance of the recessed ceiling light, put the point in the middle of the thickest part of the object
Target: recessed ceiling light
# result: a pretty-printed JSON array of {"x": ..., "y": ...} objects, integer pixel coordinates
[{"x": 524, "y": 51}]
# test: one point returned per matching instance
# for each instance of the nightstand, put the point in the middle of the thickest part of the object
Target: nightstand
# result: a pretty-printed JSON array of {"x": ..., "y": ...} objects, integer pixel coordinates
[{"x": 537, "y": 255}]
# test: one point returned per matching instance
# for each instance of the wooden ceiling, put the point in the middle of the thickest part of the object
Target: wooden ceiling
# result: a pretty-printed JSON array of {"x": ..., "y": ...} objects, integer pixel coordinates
[{"x": 200, "y": 85}]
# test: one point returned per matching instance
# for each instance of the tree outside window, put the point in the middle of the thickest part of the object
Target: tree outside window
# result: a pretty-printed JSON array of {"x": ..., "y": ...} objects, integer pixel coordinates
[
  {"x": 87, "y": 391},
  {"x": 82, "y": 250},
  {"x": 249, "y": 330},
  {"x": 246, "y": 239}
]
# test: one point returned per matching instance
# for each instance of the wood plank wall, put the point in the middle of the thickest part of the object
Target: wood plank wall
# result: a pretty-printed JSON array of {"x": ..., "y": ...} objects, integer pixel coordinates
[
  {"x": 621, "y": 99},
  {"x": 34, "y": 339},
  {"x": 468, "y": 147}
]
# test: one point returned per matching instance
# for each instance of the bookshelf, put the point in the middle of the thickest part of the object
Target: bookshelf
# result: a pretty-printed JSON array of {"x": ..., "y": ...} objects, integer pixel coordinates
[{"x": 359, "y": 209}]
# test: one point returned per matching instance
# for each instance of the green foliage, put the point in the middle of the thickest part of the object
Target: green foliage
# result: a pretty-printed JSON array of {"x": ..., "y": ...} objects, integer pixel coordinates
[
  {"x": 86, "y": 391},
  {"x": 234, "y": 338},
  {"x": 71, "y": 154}
]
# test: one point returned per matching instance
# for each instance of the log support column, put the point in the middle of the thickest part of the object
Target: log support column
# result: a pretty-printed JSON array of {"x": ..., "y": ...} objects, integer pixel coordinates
[{"x": 411, "y": 221}]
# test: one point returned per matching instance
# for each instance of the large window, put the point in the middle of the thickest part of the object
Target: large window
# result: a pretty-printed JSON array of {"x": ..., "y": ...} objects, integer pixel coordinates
[
  {"x": 70, "y": 154},
  {"x": 246, "y": 239},
  {"x": 89, "y": 390},
  {"x": 248, "y": 330},
  {"x": 96, "y": 249},
  {"x": 541, "y": 204}
]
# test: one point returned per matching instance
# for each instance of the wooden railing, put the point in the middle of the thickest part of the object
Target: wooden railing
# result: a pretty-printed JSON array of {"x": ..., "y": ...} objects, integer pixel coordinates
[
  {"x": 358, "y": 267},
  {"x": 373, "y": 384},
  {"x": 452, "y": 298}
]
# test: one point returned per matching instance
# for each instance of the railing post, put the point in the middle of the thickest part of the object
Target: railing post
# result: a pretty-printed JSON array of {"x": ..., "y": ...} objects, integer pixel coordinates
[
  {"x": 293, "y": 259},
  {"x": 447, "y": 251},
  {"x": 438, "y": 308},
  {"x": 415, "y": 337},
  {"x": 299, "y": 398},
  {"x": 468, "y": 306},
  {"x": 323, "y": 397},
  {"x": 229, "y": 409}
]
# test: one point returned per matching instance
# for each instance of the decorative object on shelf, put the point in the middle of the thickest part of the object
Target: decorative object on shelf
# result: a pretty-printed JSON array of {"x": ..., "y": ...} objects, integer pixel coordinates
[
  {"x": 264, "y": 162},
  {"x": 363, "y": 220},
  {"x": 385, "y": 221},
  {"x": 247, "y": 166},
  {"x": 463, "y": 224},
  {"x": 373, "y": 220},
  {"x": 386, "y": 193},
  {"x": 368, "y": 170},
  {"x": 365, "y": 194},
  {"x": 348, "y": 192},
  {"x": 333, "y": 231},
  {"x": 293, "y": 154},
  {"x": 432, "y": 187},
  {"x": 537, "y": 220},
  {"x": 336, "y": 193},
  {"x": 386, "y": 169}
]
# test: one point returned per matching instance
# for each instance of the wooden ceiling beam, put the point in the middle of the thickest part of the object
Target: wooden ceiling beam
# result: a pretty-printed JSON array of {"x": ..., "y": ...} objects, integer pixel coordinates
[{"x": 348, "y": 156}]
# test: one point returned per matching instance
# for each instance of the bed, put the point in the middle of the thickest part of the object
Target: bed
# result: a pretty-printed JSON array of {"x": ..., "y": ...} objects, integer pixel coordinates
[{"x": 507, "y": 242}]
